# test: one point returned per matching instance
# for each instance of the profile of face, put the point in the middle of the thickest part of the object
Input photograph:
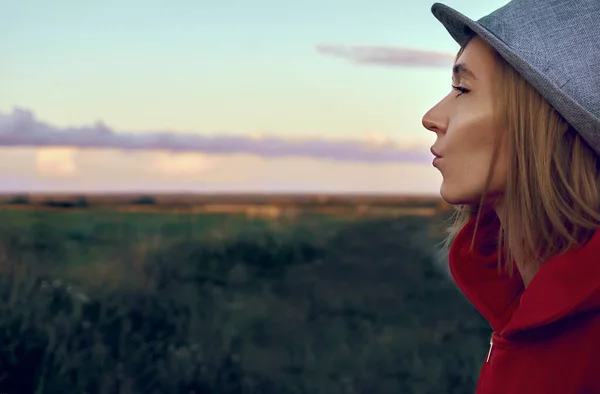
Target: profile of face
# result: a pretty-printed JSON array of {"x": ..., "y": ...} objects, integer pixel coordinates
[{"x": 465, "y": 129}]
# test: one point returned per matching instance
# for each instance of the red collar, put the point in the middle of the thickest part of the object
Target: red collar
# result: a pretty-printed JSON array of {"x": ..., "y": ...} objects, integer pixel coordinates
[{"x": 565, "y": 285}]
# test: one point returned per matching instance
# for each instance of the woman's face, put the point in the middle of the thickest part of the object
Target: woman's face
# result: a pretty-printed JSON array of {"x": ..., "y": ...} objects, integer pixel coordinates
[{"x": 465, "y": 129}]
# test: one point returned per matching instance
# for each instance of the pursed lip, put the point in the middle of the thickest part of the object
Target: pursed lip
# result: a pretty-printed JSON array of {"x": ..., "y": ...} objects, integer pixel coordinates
[{"x": 434, "y": 152}]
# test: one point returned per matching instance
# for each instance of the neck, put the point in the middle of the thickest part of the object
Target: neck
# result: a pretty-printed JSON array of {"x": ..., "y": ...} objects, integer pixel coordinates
[{"x": 527, "y": 271}]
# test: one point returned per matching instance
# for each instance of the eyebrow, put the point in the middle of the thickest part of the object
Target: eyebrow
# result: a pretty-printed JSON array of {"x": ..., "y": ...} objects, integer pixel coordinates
[{"x": 461, "y": 69}]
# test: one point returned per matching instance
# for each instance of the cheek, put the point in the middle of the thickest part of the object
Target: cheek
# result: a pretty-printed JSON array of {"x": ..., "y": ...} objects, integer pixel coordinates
[
  {"x": 467, "y": 165},
  {"x": 468, "y": 147}
]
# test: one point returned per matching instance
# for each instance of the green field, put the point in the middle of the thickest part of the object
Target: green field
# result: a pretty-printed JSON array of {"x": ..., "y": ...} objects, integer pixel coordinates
[{"x": 99, "y": 301}]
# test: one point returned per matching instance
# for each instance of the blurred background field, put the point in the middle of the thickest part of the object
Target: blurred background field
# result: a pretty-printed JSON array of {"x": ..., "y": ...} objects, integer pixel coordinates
[
  {"x": 227, "y": 197},
  {"x": 231, "y": 294}
]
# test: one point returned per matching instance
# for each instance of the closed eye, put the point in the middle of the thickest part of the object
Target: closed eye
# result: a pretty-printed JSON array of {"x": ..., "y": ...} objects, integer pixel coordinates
[{"x": 460, "y": 89}]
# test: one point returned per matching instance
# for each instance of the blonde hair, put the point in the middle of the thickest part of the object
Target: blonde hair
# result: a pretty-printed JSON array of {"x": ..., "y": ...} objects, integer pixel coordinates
[{"x": 551, "y": 200}]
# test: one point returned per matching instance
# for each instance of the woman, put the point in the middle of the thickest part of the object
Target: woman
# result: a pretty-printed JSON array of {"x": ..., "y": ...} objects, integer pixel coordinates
[{"x": 518, "y": 145}]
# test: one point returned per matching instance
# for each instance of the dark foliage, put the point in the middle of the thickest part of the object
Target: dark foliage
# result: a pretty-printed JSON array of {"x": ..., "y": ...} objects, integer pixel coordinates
[
  {"x": 364, "y": 310},
  {"x": 144, "y": 200}
]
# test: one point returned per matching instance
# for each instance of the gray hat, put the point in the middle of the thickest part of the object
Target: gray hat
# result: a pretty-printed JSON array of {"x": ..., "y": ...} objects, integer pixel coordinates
[{"x": 553, "y": 44}]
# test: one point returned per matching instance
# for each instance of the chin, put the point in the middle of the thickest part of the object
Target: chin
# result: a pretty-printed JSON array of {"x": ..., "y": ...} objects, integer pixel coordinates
[
  {"x": 459, "y": 197},
  {"x": 462, "y": 196}
]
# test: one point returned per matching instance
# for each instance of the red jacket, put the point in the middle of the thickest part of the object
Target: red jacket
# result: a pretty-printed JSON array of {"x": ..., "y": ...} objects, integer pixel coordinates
[{"x": 546, "y": 338}]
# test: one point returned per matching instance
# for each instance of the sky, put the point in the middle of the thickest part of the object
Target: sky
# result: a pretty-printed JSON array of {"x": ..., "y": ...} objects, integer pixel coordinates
[{"x": 227, "y": 96}]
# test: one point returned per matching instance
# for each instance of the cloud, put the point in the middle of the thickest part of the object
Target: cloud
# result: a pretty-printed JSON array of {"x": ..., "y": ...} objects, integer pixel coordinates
[
  {"x": 113, "y": 170},
  {"x": 183, "y": 164},
  {"x": 22, "y": 129},
  {"x": 56, "y": 161},
  {"x": 388, "y": 56}
]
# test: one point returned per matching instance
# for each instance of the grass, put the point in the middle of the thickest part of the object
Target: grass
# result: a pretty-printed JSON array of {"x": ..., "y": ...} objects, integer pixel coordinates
[{"x": 104, "y": 302}]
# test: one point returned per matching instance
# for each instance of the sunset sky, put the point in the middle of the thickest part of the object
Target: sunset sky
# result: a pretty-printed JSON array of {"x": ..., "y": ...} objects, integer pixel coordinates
[{"x": 212, "y": 95}]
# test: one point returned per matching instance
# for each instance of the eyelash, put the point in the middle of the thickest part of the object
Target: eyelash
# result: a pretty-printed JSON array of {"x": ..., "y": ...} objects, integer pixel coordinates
[{"x": 460, "y": 89}]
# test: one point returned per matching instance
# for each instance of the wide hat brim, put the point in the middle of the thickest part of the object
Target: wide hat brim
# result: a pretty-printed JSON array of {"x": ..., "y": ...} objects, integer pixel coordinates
[
  {"x": 458, "y": 25},
  {"x": 545, "y": 78},
  {"x": 462, "y": 27}
]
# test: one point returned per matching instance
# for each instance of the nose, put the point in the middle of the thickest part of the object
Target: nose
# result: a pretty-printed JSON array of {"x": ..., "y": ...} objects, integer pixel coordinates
[{"x": 434, "y": 121}]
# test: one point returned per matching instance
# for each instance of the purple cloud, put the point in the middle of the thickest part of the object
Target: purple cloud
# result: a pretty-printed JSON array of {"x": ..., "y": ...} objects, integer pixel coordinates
[
  {"x": 388, "y": 56},
  {"x": 21, "y": 128}
]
